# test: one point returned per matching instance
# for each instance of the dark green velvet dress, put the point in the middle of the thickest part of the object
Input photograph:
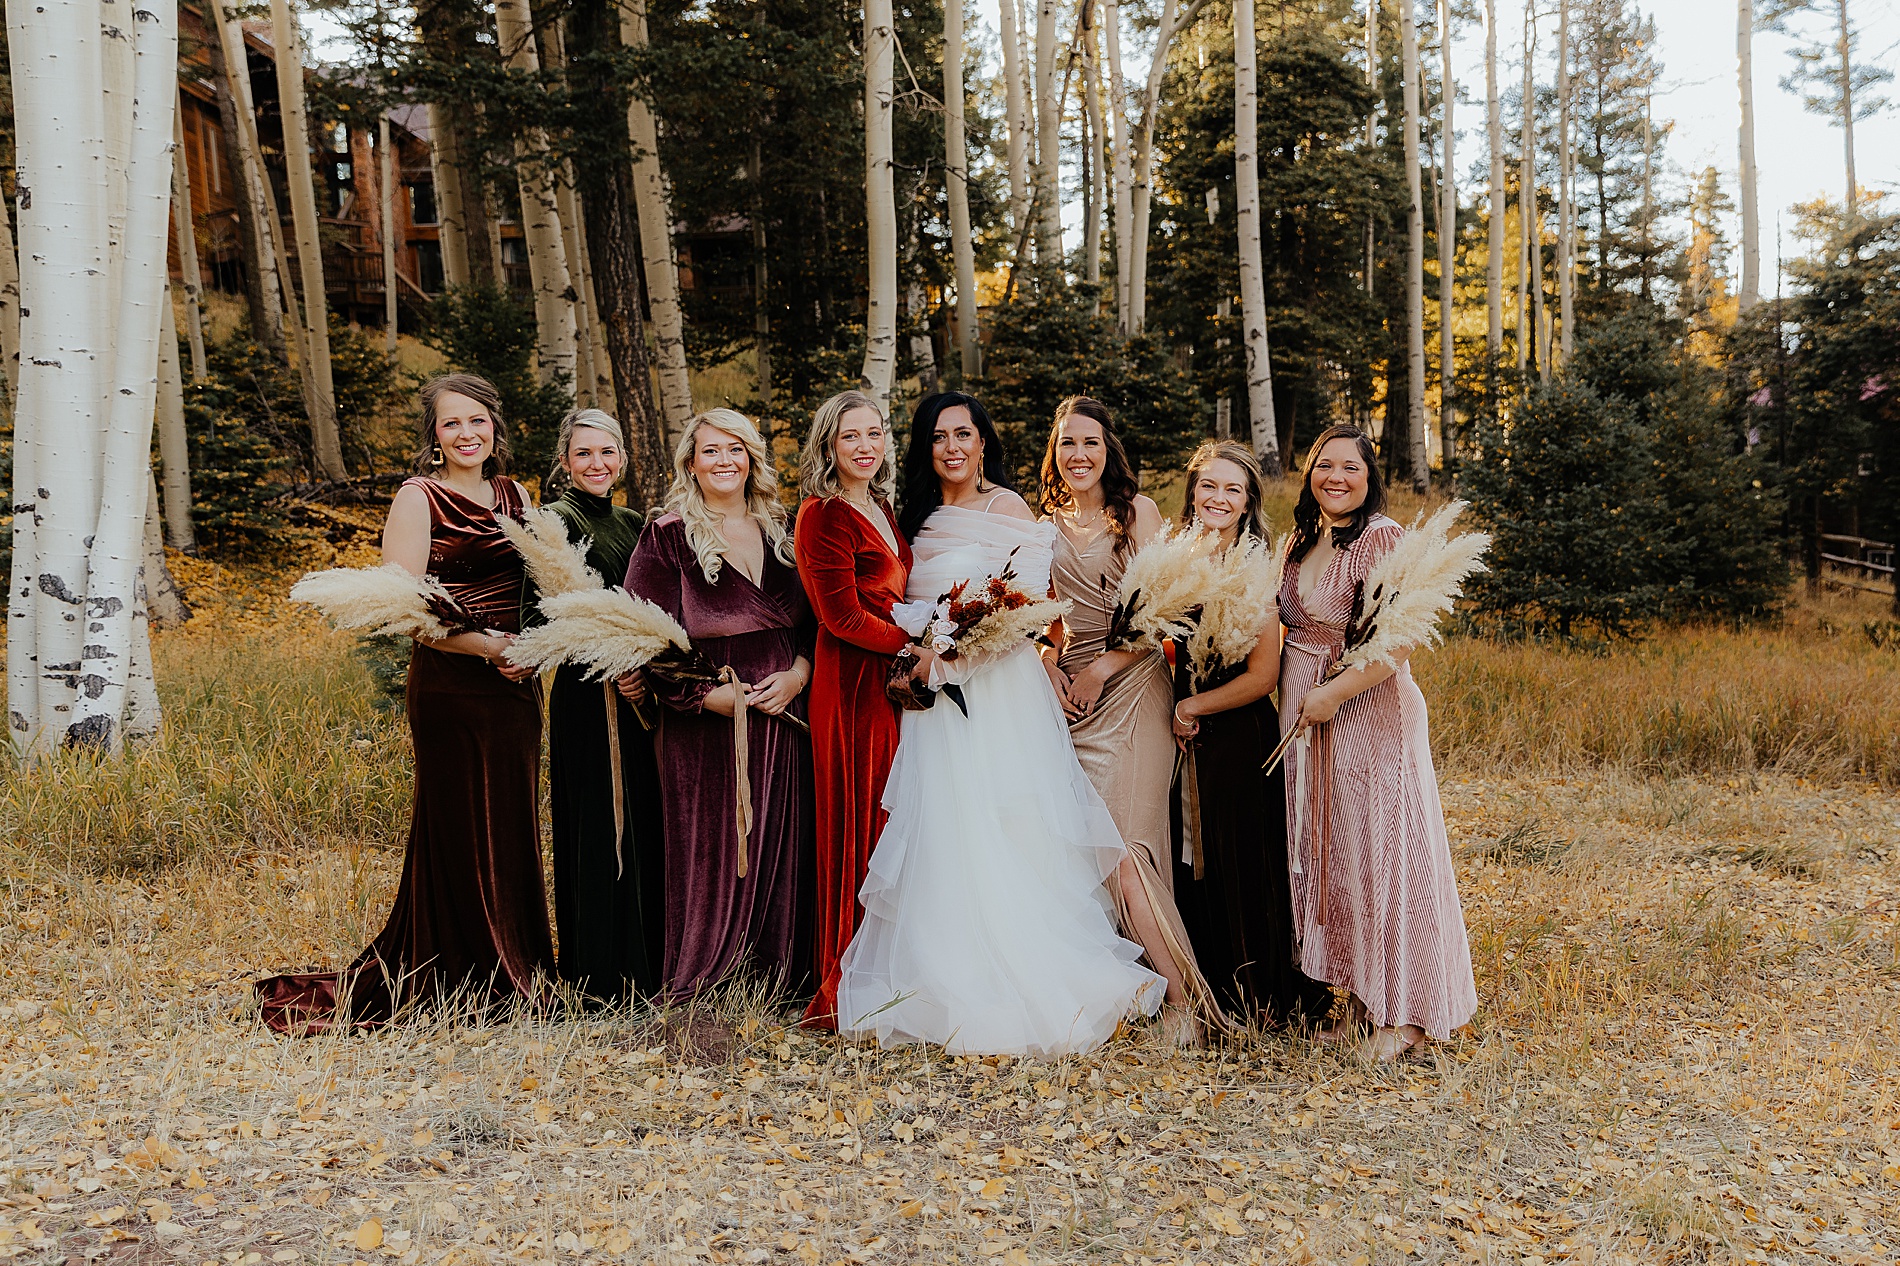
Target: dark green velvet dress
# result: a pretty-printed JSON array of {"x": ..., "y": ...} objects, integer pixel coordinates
[{"x": 608, "y": 910}]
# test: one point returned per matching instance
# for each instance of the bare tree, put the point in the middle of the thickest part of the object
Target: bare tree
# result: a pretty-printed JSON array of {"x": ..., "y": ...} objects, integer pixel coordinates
[
  {"x": 1530, "y": 220},
  {"x": 1174, "y": 20},
  {"x": 957, "y": 187},
  {"x": 1494, "y": 192},
  {"x": 1566, "y": 193},
  {"x": 174, "y": 453},
  {"x": 185, "y": 229},
  {"x": 557, "y": 332},
  {"x": 1829, "y": 81},
  {"x": 1447, "y": 243},
  {"x": 1121, "y": 192},
  {"x": 1253, "y": 294},
  {"x": 1372, "y": 115},
  {"x": 1091, "y": 145},
  {"x": 1751, "y": 209},
  {"x": 256, "y": 232},
  {"x": 1018, "y": 111},
  {"x": 880, "y": 322},
  {"x": 1418, "y": 442},
  {"x": 1048, "y": 141},
  {"x": 656, "y": 241}
]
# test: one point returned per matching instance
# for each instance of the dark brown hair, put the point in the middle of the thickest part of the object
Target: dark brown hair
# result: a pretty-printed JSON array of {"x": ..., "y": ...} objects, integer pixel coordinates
[
  {"x": 1306, "y": 518},
  {"x": 482, "y": 392},
  {"x": 1119, "y": 485},
  {"x": 1254, "y": 520}
]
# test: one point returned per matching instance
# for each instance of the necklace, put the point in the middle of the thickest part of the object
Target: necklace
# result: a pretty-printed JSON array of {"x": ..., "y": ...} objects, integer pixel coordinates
[{"x": 1076, "y": 519}]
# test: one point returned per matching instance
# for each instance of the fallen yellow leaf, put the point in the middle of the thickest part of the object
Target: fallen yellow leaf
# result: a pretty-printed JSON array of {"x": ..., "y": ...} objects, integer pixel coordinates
[
  {"x": 370, "y": 1235},
  {"x": 994, "y": 1188}
]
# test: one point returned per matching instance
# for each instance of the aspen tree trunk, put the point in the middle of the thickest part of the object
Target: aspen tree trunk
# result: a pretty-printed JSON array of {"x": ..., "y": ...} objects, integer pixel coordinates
[
  {"x": 385, "y": 153},
  {"x": 1494, "y": 194},
  {"x": 1843, "y": 45},
  {"x": 1751, "y": 209},
  {"x": 1016, "y": 150},
  {"x": 326, "y": 443},
  {"x": 956, "y": 157},
  {"x": 761, "y": 280},
  {"x": 9, "y": 314},
  {"x": 1144, "y": 166},
  {"x": 450, "y": 215},
  {"x": 1091, "y": 149},
  {"x": 185, "y": 222},
  {"x": 587, "y": 393},
  {"x": 1447, "y": 241},
  {"x": 1372, "y": 115},
  {"x": 1566, "y": 209},
  {"x": 880, "y": 320},
  {"x": 1418, "y": 442},
  {"x": 164, "y": 603},
  {"x": 556, "y": 330},
  {"x": 1649, "y": 162},
  {"x": 923, "y": 352},
  {"x": 256, "y": 235},
  {"x": 656, "y": 241},
  {"x": 174, "y": 453},
  {"x": 1253, "y": 292},
  {"x": 1121, "y": 192},
  {"x": 1048, "y": 141},
  {"x": 1530, "y": 218}
]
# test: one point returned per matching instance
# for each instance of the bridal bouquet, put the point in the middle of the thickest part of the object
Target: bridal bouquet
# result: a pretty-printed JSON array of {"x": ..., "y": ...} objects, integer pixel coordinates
[
  {"x": 1398, "y": 605},
  {"x": 387, "y": 600},
  {"x": 998, "y": 616}
]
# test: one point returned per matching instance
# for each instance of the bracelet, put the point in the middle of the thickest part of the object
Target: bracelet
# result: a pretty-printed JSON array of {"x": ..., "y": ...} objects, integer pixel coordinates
[{"x": 1181, "y": 720}]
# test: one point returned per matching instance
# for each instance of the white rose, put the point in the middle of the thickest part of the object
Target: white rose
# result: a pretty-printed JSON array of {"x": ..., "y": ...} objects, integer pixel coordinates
[
  {"x": 942, "y": 645},
  {"x": 913, "y": 617},
  {"x": 944, "y": 628}
]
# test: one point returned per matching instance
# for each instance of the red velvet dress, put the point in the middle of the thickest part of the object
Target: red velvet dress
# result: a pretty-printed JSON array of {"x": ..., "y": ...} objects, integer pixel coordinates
[
  {"x": 470, "y": 912},
  {"x": 852, "y": 579}
]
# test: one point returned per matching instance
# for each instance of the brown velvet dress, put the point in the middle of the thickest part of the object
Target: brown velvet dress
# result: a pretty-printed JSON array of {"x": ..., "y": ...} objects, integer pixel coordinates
[
  {"x": 718, "y": 921},
  {"x": 470, "y": 910}
]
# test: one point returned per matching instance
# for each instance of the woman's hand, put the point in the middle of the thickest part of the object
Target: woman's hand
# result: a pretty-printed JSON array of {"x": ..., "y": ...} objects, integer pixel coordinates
[
  {"x": 922, "y": 661},
  {"x": 775, "y": 693},
  {"x": 497, "y": 647},
  {"x": 632, "y": 687},
  {"x": 1085, "y": 688},
  {"x": 1060, "y": 680},
  {"x": 721, "y": 699},
  {"x": 1187, "y": 723},
  {"x": 1319, "y": 705}
]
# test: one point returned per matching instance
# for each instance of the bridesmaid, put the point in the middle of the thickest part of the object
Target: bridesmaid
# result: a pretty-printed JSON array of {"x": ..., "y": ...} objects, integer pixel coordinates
[
  {"x": 720, "y": 562},
  {"x": 1117, "y": 702},
  {"x": 1239, "y": 911},
  {"x": 609, "y": 868},
  {"x": 854, "y": 563},
  {"x": 470, "y": 911},
  {"x": 1375, "y": 902}
]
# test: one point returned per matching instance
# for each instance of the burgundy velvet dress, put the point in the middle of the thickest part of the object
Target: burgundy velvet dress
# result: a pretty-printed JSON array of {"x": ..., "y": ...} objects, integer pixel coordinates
[
  {"x": 470, "y": 911},
  {"x": 718, "y": 922},
  {"x": 852, "y": 579}
]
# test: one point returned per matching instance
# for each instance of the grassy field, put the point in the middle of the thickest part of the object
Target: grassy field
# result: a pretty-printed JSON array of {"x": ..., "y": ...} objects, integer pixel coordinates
[{"x": 1681, "y": 869}]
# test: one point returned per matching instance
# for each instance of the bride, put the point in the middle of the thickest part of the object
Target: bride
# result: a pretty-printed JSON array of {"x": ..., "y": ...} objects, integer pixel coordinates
[{"x": 986, "y": 926}]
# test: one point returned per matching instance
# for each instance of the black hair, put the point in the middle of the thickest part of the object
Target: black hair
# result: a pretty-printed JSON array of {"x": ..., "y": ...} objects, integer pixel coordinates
[
  {"x": 922, "y": 492},
  {"x": 1306, "y": 517}
]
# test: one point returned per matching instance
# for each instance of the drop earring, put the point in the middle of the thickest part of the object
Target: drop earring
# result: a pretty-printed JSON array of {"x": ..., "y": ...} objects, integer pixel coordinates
[{"x": 435, "y": 456}]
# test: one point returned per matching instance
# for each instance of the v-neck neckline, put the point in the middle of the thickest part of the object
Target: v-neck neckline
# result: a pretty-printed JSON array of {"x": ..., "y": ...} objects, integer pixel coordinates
[{"x": 877, "y": 527}]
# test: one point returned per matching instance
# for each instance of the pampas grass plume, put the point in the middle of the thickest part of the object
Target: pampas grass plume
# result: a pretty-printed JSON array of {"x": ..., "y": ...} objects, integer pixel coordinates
[
  {"x": 375, "y": 600},
  {"x": 1165, "y": 581},
  {"x": 1242, "y": 596},
  {"x": 609, "y": 630},
  {"x": 555, "y": 564},
  {"x": 1413, "y": 585},
  {"x": 1006, "y": 630}
]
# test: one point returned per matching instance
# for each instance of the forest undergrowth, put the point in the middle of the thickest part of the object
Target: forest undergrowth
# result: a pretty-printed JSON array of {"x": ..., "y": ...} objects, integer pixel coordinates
[{"x": 1680, "y": 862}]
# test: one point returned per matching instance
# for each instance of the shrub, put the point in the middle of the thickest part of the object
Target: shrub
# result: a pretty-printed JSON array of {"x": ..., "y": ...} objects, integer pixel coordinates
[
  {"x": 242, "y": 422},
  {"x": 484, "y": 330}
]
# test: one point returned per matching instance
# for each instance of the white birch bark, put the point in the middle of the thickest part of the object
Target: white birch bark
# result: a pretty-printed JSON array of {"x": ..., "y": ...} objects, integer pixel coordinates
[
  {"x": 1494, "y": 192},
  {"x": 115, "y": 650},
  {"x": 655, "y": 207},
  {"x": 386, "y": 186},
  {"x": 451, "y": 219},
  {"x": 1091, "y": 148},
  {"x": 880, "y": 319},
  {"x": 1253, "y": 294},
  {"x": 1372, "y": 116},
  {"x": 587, "y": 370},
  {"x": 1844, "y": 48},
  {"x": 164, "y": 602},
  {"x": 9, "y": 313},
  {"x": 556, "y": 329},
  {"x": 326, "y": 444},
  {"x": 1750, "y": 208},
  {"x": 173, "y": 449},
  {"x": 253, "y": 186},
  {"x": 956, "y": 157},
  {"x": 1048, "y": 141},
  {"x": 1566, "y": 204},
  {"x": 1121, "y": 193},
  {"x": 1144, "y": 170},
  {"x": 1530, "y": 318},
  {"x": 60, "y": 407},
  {"x": 185, "y": 224},
  {"x": 1418, "y": 441},
  {"x": 1016, "y": 108},
  {"x": 1447, "y": 242}
]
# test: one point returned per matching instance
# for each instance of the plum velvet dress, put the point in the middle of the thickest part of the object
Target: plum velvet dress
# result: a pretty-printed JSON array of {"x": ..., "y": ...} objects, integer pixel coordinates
[
  {"x": 718, "y": 921},
  {"x": 470, "y": 911},
  {"x": 852, "y": 578},
  {"x": 608, "y": 895},
  {"x": 1375, "y": 901}
]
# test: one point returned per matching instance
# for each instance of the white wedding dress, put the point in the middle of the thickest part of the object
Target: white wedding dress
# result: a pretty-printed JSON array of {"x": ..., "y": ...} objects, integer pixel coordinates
[{"x": 986, "y": 927}]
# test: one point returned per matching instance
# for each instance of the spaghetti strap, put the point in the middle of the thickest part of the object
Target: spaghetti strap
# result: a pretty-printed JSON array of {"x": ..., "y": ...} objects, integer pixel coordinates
[{"x": 994, "y": 494}]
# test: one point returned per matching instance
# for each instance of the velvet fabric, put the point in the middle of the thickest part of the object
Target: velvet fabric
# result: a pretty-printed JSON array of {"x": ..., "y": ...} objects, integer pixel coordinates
[
  {"x": 1239, "y": 914},
  {"x": 852, "y": 579},
  {"x": 470, "y": 911},
  {"x": 609, "y": 907},
  {"x": 716, "y": 920}
]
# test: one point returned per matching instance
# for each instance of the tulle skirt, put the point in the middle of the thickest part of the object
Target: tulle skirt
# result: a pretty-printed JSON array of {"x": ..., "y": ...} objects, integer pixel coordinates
[{"x": 986, "y": 925}]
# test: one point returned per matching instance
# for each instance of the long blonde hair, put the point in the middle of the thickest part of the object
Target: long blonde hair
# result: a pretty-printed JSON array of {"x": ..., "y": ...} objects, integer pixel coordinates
[
  {"x": 558, "y": 479},
  {"x": 761, "y": 495},
  {"x": 818, "y": 462}
]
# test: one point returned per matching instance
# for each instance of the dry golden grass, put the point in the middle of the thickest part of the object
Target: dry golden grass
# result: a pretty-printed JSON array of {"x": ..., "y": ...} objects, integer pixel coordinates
[{"x": 1685, "y": 1051}]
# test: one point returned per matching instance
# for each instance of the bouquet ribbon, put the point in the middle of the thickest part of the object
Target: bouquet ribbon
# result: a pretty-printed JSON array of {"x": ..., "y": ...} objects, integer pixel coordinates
[
  {"x": 741, "y": 762},
  {"x": 613, "y": 761}
]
